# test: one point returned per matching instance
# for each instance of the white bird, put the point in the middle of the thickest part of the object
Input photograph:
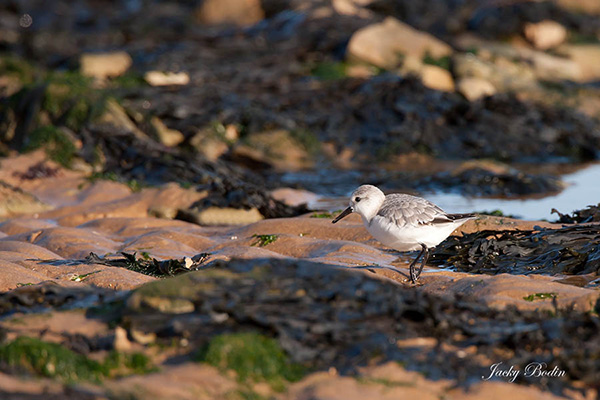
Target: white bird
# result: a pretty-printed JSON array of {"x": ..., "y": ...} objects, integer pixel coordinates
[{"x": 403, "y": 222}]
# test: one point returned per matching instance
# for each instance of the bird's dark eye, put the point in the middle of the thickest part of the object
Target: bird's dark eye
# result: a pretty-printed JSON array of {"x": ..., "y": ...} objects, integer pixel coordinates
[{"x": 357, "y": 199}]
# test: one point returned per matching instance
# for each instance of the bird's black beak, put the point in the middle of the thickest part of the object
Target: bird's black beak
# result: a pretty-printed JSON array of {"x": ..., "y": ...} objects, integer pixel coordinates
[{"x": 347, "y": 211}]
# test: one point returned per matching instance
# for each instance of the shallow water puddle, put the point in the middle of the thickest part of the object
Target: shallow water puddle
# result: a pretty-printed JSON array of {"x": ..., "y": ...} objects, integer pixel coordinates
[{"x": 582, "y": 190}]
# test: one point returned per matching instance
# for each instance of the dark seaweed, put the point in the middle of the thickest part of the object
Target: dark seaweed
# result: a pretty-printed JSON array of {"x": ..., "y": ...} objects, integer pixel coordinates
[
  {"x": 571, "y": 250},
  {"x": 38, "y": 171},
  {"x": 146, "y": 265},
  {"x": 149, "y": 265},
  {"x": 589, "y": 214}
]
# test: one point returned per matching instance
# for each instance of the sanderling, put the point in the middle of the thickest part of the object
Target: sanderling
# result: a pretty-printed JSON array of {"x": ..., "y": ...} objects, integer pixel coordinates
[{"x": 403, "y": 222}]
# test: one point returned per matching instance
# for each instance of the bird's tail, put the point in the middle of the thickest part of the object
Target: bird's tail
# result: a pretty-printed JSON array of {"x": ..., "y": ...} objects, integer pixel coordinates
[{"x": 458, "y": 217}]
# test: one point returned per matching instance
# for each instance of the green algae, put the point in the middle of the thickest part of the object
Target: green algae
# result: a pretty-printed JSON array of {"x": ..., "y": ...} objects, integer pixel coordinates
[
  {"x": 120, "y": 364},
  {"x": 134, "y": 185},
  {"x": 58, "y": 145},
  {"x": 330, "y": 70},
  {"x": 263, "y": 240},
  {"x": 384, "y": 382},
  {"x": 327, "y": 215},
  {"x": 442, "y": 62},
  {"x": 18, "y": 68},
  {"x": 307, "y": 139},
  {"x": 539, "y": 296},
  {"x": 52, "y": 360},
  {"x": 253, "y": 357}
]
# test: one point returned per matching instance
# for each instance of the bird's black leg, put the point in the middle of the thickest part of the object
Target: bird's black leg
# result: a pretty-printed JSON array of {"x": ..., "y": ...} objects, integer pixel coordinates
[
  {"x": 424, "y": 250},
  {"x": 411, "y": 268}
]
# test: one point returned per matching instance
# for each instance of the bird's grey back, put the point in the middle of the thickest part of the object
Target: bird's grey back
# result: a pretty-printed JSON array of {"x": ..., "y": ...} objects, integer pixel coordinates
[{"x": 403, "y": 209}]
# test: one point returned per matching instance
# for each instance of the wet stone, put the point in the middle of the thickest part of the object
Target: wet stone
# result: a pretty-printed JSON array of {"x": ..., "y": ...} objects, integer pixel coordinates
[
  {"x": 14, "y": 201},
  {"x": 230, "y": 194}
]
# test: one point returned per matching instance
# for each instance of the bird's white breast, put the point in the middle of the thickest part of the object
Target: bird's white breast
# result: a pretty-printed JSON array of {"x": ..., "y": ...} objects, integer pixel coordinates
[{"x": 408, "y": 237}]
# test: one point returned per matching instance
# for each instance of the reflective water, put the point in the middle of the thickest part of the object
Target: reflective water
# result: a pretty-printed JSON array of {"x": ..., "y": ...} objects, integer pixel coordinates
[{"x": 583, "y": 189}]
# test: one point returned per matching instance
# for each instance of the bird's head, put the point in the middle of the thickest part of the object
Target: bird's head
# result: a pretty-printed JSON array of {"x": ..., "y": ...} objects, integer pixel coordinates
[{"x": 365, "y": 201}]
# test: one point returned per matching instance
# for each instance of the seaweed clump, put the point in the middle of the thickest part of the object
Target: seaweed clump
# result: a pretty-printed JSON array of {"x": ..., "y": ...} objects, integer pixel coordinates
[
  {"x": 150, "y": 266},
  {"x": 145, "y": 265},
  {"x": 589, "y": 214},
  {"x": 571, "y": 250}
]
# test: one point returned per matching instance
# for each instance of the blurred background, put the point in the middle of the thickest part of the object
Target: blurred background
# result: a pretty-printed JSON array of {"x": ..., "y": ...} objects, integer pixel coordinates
[{"x": 478, "y": 104}]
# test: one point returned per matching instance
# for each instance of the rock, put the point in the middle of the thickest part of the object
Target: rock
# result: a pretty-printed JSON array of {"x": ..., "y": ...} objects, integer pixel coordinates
[
  {"x": 384, "y": 44},
  {"x": 172, "y": 196},
  {"x": 220, "y": 216},
  {"x": 116, "y": 115},
  {"x": 14, "y": 201},
  {"x": 581, "y": 6},
  {"x": 186, "y": 381},
  {"x": 231, "y": 133},
  {"x": 361, "y": 71},
  {"x": 503, "y": 73},
  {"x": 475, "y": 88},
  {"x": 323, "y": 386},
  {"x": 9, "y": 85},
  {"x": 171, "y": 306},
  {"x": 411, "y": 65},
  {"x": 294, "y": 197},
  {"x": 277, "y": 148},
  {"x": 352, "y": 7},
  {"x": 209, "y": 143},
  {"x": 437, "y": 78},
  {"x": 587, "y": 57},
  {"x": 241, "y": 195},
  {"x": 168, "y": 137},
  {"x": 48, "y": 294},
  {"x": 158, "y": 78},
  {"x": 121, "y": 342},
  {"x": 104, "y": 65},
  {"x": 495, "y": 390},
  {"x": 546, "y": 34},
  {"x": 15, "y": 276},
  {"x": 554, "y": 68},
  {"x": 528, "y": 61},
  {"x": 234, "y": 12}
]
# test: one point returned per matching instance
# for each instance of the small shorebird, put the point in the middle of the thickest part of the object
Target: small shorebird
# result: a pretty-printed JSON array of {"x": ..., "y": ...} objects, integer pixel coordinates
[{"x": 403, "y": 222}]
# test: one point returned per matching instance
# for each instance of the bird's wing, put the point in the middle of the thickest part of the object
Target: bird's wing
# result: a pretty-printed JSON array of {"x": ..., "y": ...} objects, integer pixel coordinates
[{"x": 404, "y": 209}]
